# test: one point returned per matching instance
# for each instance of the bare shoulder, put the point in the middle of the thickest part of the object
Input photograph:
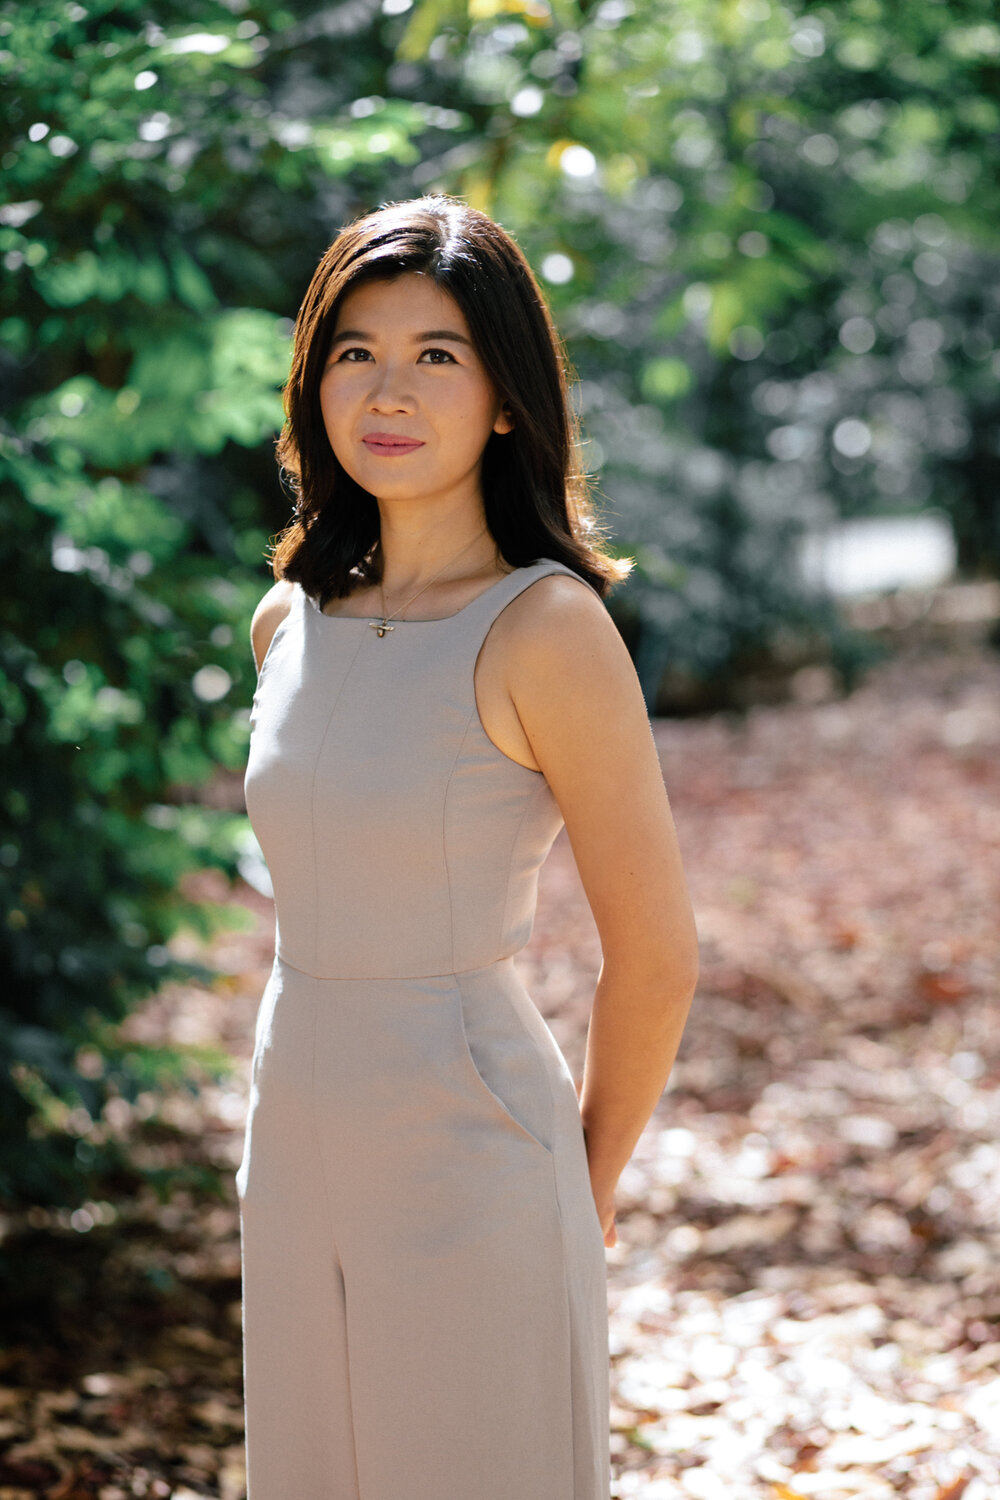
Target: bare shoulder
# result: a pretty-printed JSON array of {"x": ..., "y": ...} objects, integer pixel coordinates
[
  {"x": 268, "y": 615},
  {"x": 558, "y": 624},
  {"x": 575, "y": 688}
]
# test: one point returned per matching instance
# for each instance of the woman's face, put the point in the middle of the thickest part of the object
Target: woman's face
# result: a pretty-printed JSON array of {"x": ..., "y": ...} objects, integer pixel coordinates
[{"x": 401, "y": 364}]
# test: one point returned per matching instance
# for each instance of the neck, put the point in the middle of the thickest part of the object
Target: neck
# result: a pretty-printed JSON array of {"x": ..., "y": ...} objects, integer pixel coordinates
[{"x": 412, "y": 553}]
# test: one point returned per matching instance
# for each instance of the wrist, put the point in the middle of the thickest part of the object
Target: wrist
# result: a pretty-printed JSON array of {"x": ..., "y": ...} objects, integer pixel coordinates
[{"x": 606, "y": 1157}]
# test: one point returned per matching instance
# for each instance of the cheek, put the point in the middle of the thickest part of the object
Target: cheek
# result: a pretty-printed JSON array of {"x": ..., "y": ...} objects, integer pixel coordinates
[
  {"x": 471, "y": 403},
  {"x": 331, "y": 402}
]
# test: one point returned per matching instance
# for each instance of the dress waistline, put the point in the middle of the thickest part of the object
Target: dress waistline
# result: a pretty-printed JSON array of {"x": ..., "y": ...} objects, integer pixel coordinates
[{"x": 505, "y": 960}]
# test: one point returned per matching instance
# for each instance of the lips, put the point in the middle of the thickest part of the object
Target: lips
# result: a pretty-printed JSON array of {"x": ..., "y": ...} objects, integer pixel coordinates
[{"x": 388, "y": 445}]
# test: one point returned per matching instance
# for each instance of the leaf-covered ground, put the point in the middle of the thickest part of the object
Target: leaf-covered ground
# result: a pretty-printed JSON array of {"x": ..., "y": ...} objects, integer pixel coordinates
[{"x": 805, "y": 1297}]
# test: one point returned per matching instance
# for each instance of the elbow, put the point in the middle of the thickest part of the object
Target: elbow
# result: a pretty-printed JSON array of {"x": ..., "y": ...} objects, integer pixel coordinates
[
  {"x": 671, "y": 974},
  {"x": 684, "y": 974},
  {"x": 689, "y": 960},
  {"x": 680, "y": 965}
]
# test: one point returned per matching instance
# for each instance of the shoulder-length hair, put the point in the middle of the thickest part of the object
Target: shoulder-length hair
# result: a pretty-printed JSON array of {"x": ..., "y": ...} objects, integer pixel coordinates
[{"x": 536, "y": 495}]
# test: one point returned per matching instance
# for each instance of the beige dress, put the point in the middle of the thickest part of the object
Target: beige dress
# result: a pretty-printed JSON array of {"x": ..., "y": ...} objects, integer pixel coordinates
[{"x": 424, "y": 1281}]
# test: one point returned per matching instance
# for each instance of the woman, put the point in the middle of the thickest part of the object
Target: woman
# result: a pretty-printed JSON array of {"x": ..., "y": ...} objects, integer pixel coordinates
[{"x": 424, "y": 1199}]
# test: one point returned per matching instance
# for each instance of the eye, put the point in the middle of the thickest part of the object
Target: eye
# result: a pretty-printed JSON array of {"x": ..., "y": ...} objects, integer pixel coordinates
[{"x": 357, "y": 349}]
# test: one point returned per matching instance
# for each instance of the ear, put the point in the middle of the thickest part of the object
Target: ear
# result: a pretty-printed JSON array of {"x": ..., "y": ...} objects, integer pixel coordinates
[{"x": 504, "y": 422}]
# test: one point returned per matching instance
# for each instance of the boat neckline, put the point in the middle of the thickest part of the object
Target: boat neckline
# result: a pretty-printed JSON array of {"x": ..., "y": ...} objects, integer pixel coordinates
[{"x": 435, "y": 620}]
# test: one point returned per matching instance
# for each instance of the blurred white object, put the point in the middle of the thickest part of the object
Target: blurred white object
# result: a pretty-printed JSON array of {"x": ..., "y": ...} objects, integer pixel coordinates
[{"x": 877, "y": 553}]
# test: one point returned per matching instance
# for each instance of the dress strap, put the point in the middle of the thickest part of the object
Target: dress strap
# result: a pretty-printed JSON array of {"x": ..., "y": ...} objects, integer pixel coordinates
[{"x": 496, "y": 598}]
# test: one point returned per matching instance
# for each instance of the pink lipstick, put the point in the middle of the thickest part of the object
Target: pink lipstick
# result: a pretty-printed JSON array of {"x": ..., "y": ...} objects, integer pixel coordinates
[{"x": 389, "y": 444}]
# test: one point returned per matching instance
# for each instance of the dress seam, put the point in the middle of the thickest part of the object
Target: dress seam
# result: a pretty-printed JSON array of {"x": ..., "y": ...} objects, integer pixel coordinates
[
  {"x": 393, "y": 978},
  {"x": 444, "y": 835},
  {"x": 312, "y": 797},
  {"x": 329, "y": 1210},
  {"x": 570, "y": 1383},
  {"x": 512, "y": 850}
]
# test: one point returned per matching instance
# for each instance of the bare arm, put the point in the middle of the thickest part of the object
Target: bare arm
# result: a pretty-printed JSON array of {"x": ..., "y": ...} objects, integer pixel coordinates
[{"x": 581, "y": 707}]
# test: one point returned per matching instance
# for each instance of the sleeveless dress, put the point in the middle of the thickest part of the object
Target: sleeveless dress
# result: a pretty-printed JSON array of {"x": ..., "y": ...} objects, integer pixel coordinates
[{"x": 425, "y": 1309}]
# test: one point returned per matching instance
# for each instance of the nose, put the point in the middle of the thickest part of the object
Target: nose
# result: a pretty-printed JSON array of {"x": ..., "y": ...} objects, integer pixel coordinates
[{"x": 388, "y": 391}]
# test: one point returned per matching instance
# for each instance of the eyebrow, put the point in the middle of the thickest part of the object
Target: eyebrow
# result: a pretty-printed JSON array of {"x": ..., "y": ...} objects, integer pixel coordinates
[{"x": 418, "y": 338}]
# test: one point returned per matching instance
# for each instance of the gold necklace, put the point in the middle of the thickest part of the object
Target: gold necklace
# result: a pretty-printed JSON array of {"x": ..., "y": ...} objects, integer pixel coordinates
[{"x": 382, "y": 626}]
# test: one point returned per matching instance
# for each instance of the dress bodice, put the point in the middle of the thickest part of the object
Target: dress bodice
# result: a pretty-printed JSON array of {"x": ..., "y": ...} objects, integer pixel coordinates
[{"x": 399, "y": 839}]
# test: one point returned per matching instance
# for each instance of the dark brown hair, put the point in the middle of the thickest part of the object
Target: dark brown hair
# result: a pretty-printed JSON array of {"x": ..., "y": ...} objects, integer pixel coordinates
[{"x": 536, "y": 495}]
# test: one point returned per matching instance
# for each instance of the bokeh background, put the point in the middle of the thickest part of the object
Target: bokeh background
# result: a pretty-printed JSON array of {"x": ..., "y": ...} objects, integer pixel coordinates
[{"x": 770, "y": 236}]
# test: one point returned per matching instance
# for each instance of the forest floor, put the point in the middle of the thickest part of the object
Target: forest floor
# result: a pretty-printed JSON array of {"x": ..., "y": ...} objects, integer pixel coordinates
[{"x": 805, "y": 1295}]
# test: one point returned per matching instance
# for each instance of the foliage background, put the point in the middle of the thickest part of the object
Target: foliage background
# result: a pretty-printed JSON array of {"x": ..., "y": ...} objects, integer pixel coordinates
[{"x": 768, "y": 232}]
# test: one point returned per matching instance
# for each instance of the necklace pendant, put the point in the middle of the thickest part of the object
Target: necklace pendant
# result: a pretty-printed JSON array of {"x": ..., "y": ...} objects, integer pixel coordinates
[{"x": 381, "y": 626}]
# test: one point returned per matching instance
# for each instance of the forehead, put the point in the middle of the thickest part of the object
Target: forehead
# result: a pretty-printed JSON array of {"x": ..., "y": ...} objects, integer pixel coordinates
[{"x": 404, "y": 303}]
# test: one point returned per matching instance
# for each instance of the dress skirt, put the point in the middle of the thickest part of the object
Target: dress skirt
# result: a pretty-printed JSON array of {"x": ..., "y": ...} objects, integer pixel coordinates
[{"x": 425, "y": 1308}]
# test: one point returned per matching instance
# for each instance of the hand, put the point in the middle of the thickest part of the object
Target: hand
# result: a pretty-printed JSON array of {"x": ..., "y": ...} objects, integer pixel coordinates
[{"x": 604, "y": 1198}]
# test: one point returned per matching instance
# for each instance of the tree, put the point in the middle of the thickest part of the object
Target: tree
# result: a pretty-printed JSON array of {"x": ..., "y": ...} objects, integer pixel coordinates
[
  {"x": 156, "y": 198},
  {"x": 770, "y": 235},
  {"x": 768, "y": 232}
]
